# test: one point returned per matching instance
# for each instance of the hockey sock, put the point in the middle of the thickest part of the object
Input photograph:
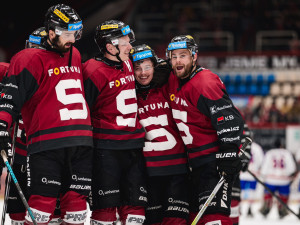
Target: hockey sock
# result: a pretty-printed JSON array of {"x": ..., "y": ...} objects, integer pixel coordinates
[
  {"x": 267, "y": 204},
  {"x": 73, "y": 208},
  {"x": 17, "y": 218},
  {"x": 215, "y": 219},
  {"x": 281, "y": 208},
  {"x": 134, "y": 215},
  {"x": 104, "y": 216},
  {"x": 42, "y": 208},
  {"x": 235, "y": 211}
]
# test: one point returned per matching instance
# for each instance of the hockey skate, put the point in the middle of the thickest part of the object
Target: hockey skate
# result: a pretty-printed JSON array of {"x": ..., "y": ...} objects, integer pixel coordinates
[
  {"x": 282, "y": 211},
  {"x": 249, "y": 213},
  {"x": 265, "y": 209}
]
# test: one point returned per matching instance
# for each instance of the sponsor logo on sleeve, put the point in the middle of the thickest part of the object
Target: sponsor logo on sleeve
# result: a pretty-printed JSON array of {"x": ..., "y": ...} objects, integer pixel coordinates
[
  {"x": 11, "y": 85},
  {"x": 226, "y": 130},
  {"x": 223, "y": 119},
  {"x": 6, "y": 106},
  {"x": 214, "y": 109},
  {"x": 3, "y": 95},
  {"x": 220, "y": 120},
  {"x": 230, "y": 139}
]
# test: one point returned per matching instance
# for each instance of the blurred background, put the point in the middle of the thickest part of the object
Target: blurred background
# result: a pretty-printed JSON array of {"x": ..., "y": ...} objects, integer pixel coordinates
[{"x": 252, "y": 45}]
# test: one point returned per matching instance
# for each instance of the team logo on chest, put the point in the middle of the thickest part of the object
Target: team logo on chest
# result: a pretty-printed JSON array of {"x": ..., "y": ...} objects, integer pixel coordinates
[
  {"x": 121, "y": 81},
  {"x": 178, "y": 100},
  {"x": 160, "y": 105},
  {"x": 63, "y": 69}
]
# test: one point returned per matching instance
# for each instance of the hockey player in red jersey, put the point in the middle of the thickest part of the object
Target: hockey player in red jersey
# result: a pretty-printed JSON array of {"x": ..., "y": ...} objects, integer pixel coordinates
[
  {"x": 46, "y": 86},
  {"x": 164, "y": 149},
  {"x": 119, "y": 168},
  {"x": 15, "y": 207},
  {"x": 3, "y": 70},
  {"x": 211, "y": 128}
]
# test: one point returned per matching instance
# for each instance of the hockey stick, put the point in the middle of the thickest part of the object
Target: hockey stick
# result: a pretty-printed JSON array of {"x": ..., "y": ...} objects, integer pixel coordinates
[
  {"x": 7, "y": 185},
  {"x": 218, "y": 186},
  {"x": 273, "y": 194},
  {"x": 4, "y": 157}
]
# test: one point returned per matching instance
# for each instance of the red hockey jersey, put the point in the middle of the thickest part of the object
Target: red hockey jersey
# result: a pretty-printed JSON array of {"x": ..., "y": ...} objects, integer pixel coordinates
[
  {"x": 50, "y": 96},
  {"x": 20, "y": 146},
  {"x": 205, "y": 115},
  {"x": 110, "y": 93},
  {"x": 164, "y": 149},
  {"x": 3, "y": 69}
]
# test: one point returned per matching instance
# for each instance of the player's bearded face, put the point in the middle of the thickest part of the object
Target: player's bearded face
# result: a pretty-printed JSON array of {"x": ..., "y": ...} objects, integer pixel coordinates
[
  {"x": 64, "y": 42},
  {"x": 182, "y": 62}
]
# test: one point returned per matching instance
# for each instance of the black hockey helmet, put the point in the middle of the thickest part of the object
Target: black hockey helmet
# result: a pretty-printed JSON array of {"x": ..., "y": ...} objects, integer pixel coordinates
[
  {"x": 141, "y": 52},
  {"x": 110, "y": 31},
  {"x": 36, "y": 38},
  {"x": 61, "y": 18},
  {"x": 182, "y": 42}
]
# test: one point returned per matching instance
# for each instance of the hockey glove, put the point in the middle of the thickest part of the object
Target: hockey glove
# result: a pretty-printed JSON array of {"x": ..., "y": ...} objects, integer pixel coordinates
[
  {"x": 161, "y": 73},
  {"x": 228, "y": 162},
  {"x": 5, "y": 141},
  {"x": 245, "y": 162}
]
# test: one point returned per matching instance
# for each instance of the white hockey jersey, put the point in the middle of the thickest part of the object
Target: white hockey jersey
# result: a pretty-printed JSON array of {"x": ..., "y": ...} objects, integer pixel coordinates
[
  {"x": 255, "y": 162},
  {"x": 278, "y": 166},
  {"x": 297, "y": 156}
]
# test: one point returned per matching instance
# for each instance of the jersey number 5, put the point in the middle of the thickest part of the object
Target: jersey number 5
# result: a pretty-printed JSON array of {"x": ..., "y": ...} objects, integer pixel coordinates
[
  {"x": 155, "y": 133},
  {"x": 67, "y": 99},
  {"x": 126, "y": 108},
  {"x": 182, "y": 115}
]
